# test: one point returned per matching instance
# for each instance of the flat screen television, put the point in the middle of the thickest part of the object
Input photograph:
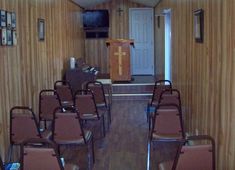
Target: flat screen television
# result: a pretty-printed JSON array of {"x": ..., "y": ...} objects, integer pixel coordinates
[{"x": 93, "y": 19}]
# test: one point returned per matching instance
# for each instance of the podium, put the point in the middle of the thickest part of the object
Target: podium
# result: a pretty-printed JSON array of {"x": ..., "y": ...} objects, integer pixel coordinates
[{"x": 119, "y": 59}]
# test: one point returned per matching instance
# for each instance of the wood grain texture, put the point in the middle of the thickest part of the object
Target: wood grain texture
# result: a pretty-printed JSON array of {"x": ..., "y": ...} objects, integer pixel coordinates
[
  {"x": 159, "y": 48},
  {"x": 204, "y": 71},
  {"x": 96, "y": 50},
  {"x": 34, "y": 65}
]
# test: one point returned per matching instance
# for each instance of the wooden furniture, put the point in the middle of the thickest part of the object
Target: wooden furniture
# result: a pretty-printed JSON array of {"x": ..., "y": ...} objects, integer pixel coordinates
[
  {"x": 119, "y": 59},
  {"x": 77, "y": 78}
]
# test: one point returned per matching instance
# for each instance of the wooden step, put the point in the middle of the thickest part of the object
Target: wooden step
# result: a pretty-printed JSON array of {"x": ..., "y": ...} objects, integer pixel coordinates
[
  {"x": 141, "y": 87},
  {"x": 145, "y": 88}
]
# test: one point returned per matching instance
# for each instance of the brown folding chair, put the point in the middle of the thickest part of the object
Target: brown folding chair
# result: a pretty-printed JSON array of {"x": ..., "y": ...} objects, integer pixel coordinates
[
  {"x": 168, "y": 149},
  {"x": 168, "y": 96},
  {"x": 84, "y": 101},
  {"x": 23, "y": 125},
  {"x": 67, "y": 130},
  {"x": 159, "y": 86},
  {"x": 49, "y": 100},
  {"x": 167, "y": 125},
  {"x": 64, "y": 90},
  {"x": 197, "y": 156},
  {"x": 167, "y": 122},
  {"x": 41, "y": 154},
  {"x": 98, "y": 90}
]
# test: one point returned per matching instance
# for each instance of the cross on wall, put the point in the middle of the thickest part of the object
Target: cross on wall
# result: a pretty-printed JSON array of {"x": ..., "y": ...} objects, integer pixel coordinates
[{"x": 120, "y": 11}]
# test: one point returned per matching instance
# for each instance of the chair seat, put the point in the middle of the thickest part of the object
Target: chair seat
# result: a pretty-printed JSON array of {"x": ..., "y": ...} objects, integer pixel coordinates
[
  {"x": 76, "y": 141},
  {"x": 165, "y": 165},
  {"x": 100, "y": 105},
  {"x": 166, "y": 136},
  {"x": 90, "y": 116},
  {"x": 67, "y": 103},
  {"x": 20, "y": 141},
  {"x": 71, "y": 167},
  {"x": 102, "y": 110}
]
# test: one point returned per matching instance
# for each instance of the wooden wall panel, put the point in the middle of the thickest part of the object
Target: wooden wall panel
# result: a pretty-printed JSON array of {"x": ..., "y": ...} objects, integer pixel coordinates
[
  {"x": 34, "y": 65},
  {"x": 160, "y": 48},
  {"x": 204, "y": 71},
  {"x": 96, "y": 50}
]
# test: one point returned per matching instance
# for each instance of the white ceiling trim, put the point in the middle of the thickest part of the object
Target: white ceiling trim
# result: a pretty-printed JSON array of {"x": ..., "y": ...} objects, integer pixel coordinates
[
  {"x": 150, "y": 3},
  {"x": 90, "y": 3}
]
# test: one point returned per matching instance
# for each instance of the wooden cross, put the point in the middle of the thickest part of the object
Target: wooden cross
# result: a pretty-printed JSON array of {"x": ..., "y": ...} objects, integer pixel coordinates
[
  {"x": 119, "y": 11},
  {"x": 120, "y": 54}
]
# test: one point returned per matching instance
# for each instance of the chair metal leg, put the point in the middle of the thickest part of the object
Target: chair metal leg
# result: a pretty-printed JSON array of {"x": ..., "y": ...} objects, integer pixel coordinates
[
  {"x": 93, "y": 149},
  {"x": 150, "y": 123},
  {"x": 103, "y": 125},
  {"x": 10, "y": 149},
  {"x": 90, "y": 152},
  {"x": 45, "y": 124},
  {"x": 147, "y": 112},
  {"x": 58, "y": 148},
  {"x": 109, "y": 111},
  {"x": 148, "y": 155}
]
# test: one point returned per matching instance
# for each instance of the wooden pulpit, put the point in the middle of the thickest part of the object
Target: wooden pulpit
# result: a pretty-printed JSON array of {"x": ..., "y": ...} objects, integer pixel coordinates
[{"x": 119, "y": 59}]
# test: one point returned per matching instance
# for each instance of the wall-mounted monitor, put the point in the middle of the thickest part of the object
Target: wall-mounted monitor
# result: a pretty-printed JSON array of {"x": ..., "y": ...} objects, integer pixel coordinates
[{"x": 95, "y": 19}]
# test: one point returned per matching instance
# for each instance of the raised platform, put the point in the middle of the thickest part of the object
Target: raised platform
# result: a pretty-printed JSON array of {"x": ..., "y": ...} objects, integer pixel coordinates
[{"x": 141, "y": 87}]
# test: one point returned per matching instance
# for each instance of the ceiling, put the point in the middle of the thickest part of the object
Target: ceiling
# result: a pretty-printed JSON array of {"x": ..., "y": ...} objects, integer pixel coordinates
[{"x": 90, "y": 3}]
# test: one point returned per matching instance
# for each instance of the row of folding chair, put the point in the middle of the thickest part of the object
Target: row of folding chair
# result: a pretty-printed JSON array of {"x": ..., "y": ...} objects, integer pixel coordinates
[
  {"x": 164, "y": 115},
  {"x": 159, "y": 86},
  {"x": 66, "y": 130},
  {"x": 68, "y": 97},
  {"x": 42, "y": 154},
  {"x": 38, "y": 154},
  {"x": 169, "y": 98},
  {"x": 90, "y": 102},
  {"x": 65, "y": 117}
]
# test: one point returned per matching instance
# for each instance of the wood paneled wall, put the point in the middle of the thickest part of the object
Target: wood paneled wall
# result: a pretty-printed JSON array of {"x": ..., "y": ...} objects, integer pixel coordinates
[
  {"x": 204, "y": 72},
  {"x": 160, "y": 47},
  {"x": 96, "y": 50},
  {"x": 34, "y": 65}
]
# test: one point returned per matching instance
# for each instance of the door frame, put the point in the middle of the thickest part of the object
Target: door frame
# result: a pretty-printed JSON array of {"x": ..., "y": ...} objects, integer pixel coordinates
[
  {"x": 168, "y": 43},
  {"x": 153, "y": 39}
]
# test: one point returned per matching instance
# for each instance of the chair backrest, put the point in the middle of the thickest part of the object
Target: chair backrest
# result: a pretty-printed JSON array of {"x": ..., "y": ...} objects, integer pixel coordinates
[
  {"x": 160, "y": 86},
  {"x": 49, "y": 100},
  {"x": 40, "y": 154},
  {"x": 67, "y": 126},
  {"x": 98, "y": 90},
  {"x": 84, "y": 101},
  {"x": 170, "y": 96},
  {"x": 64, "y": 90},
  {"x": 167, "y": 121},
  {"x": 23, "y": 124},
  {"x": 198, "y": 156}
]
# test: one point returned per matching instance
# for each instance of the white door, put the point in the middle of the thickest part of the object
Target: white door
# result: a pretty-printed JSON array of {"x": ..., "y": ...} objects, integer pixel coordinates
[{"x": 141, "y": 30}]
